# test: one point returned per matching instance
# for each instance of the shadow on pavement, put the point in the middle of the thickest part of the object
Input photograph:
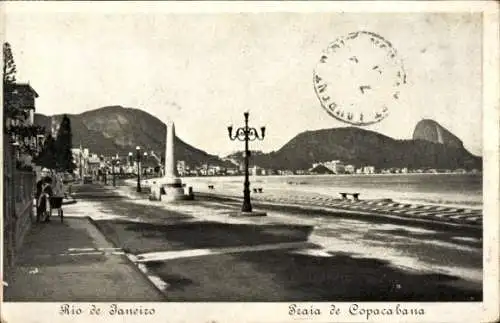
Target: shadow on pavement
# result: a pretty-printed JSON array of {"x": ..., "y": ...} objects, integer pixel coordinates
[
  {"x": 435, "y": 224},
  {"x": 95, "y": 192},
  {"x": 432, "y": 253},
  {"x": 146, "y": 213},
  {"x": 136, "y": 237},
  {"x": 279, "y": 275},
  {"x": 442, "y": 235}
]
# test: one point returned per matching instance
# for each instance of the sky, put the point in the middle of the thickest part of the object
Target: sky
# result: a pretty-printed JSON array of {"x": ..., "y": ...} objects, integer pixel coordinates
[{"x": 204, "y": 70}]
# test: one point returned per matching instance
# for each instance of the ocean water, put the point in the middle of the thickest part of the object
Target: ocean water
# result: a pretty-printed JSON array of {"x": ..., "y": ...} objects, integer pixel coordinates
[{"x": 444, "y": 189}]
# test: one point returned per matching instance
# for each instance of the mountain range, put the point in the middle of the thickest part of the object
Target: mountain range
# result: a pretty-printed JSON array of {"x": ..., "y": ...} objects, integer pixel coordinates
[
  {"x": 361, "y": 147},
  {"x": 117, "y": 130},
  {"x": 114, "y": 129}
]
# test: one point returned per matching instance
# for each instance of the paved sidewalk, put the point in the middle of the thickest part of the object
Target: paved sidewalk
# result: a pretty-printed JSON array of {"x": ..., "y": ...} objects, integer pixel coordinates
[{"x": 72, "y": 261}]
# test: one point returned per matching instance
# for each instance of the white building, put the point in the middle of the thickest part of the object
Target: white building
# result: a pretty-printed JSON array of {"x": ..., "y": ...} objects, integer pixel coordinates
[
  {"x": 182, "y": 168},
  {"x": 368, "y": 170},
  {"x": 81, "y": 160},
  {"x": 335, "y": 166},
  {"x": 257, "y": 171},
  {"x": 350, "y": 169}
]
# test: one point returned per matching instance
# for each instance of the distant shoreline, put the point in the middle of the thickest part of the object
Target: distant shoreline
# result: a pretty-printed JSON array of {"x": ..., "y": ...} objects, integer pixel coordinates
[{"x": 333, "y": 175}]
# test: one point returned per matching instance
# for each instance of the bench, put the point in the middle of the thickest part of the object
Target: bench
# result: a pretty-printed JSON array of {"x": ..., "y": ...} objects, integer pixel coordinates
[{"x": 355, "y": 196}]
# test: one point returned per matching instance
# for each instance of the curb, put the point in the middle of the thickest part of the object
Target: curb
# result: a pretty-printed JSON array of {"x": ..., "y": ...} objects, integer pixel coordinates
[
  {"x": 129, "y": 258},
  {"x": 155, "y": 280}
]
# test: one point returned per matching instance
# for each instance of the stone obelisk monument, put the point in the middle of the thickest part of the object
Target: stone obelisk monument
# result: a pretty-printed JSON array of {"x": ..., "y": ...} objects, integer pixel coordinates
[{"x": 172, "y": 184}]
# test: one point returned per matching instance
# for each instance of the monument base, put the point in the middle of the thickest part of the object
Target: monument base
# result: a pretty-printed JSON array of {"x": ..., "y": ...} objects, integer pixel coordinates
[
  {"x": 170, "y": 190},
  {"x": 171, "y": 182},
  {"x": 174, "y": 190},
  {"x": 173, "y": 194}
]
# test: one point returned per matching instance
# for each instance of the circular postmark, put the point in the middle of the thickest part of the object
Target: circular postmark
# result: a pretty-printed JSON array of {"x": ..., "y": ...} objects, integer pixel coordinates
[{"x": 358, "y": 78}]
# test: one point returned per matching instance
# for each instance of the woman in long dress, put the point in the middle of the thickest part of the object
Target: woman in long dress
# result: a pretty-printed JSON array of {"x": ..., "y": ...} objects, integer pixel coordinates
[
  {"x": 58, "y": 194},
  {"x": 44, "y": 206}
]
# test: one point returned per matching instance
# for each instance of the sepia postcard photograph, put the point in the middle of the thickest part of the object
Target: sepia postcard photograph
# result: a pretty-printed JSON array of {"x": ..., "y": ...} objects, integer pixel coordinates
[{"x": 250, "y": 161}]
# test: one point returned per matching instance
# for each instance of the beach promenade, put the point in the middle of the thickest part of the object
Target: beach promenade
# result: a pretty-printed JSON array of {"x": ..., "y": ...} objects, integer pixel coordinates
[
  {"x": 196, "y": 251},
  {"x": 269, "y": 197}
]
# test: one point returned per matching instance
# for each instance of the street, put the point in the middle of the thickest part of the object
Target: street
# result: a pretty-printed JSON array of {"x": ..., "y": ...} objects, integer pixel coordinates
[{"x": 196, "y": 251}]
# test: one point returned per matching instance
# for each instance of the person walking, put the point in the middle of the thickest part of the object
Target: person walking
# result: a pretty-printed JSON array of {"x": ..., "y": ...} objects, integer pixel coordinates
[
  {"x": 39, "y": 190},
  {"x": 43, "y": 206},
  {"x": 58, "y": 195}
]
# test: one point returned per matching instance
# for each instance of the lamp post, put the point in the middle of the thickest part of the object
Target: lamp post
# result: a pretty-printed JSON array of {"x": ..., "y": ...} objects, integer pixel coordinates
[
  {"x": 81, "y": 164},
  {"x": 138, "y": 160},
  {"x": 246, "y": 134},
  {"x": 130, "y": 160},
  {"x": 113, "y": 163},
  {"x": 104, "y": 174},
  {"x": 145, "y": 156},
  {"x": 118, "y": 166},
  {"x": 15, "y": 146}
]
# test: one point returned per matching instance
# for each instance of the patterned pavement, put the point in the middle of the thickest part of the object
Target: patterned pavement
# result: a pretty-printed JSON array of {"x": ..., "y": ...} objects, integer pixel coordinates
[{"x": 388, "y": 207}]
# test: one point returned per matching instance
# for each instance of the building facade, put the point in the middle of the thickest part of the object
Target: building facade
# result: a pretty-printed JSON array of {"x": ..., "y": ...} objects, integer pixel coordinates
[
  {"x": 336, "y": 166},
  {"x": 368, "y": 170},
  {"x": 20, "y": 97}
]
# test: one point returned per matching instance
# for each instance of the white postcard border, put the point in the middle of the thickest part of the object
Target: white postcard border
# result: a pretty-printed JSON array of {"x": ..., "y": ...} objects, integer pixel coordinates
[{"x": 485, "y": 311}]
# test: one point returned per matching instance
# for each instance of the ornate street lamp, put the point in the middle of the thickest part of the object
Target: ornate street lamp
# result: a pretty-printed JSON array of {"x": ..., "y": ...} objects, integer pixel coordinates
[
  {"x": 246, "y": 134},
  {"x": 138, "y": 160}
]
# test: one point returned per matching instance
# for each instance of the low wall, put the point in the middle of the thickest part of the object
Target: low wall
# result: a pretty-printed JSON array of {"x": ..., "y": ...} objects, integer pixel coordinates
[
  {"x": 18, "y": 193},
  {"x": 24, "y": 191}
]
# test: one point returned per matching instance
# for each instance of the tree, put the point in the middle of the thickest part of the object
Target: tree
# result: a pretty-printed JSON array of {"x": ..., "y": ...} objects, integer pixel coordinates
[
  {"x": 9, "y": 66},
  {"x": 63, "y": 144},
  {"x": 47, "y": 157},
  {"x": 12, "y": 108}
]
